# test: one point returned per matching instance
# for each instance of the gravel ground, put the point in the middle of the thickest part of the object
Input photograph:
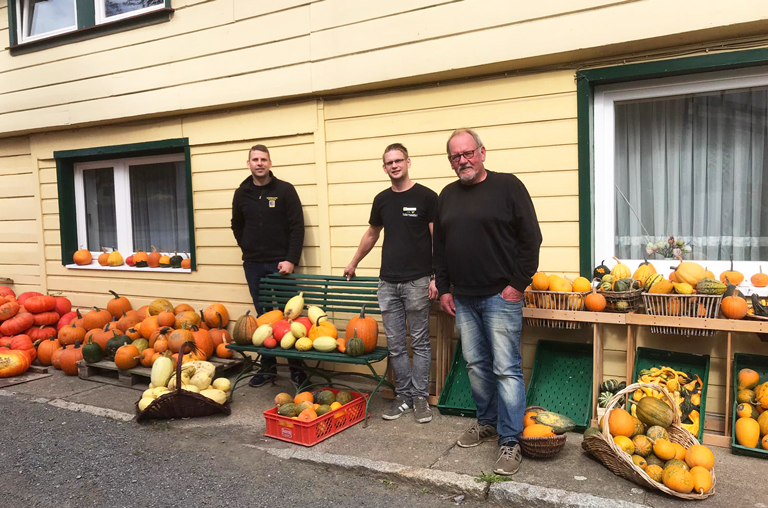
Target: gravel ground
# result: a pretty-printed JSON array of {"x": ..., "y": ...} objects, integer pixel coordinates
[{"x": 55, "y": 457}]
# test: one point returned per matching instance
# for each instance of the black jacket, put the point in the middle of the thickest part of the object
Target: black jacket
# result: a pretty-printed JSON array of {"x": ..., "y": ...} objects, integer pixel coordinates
[{"x": 268, "y": 221}]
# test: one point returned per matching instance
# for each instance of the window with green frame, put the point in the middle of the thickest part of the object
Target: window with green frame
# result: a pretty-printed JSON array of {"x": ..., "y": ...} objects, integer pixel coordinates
[
  {"x": 42, "y": 23},
  {"x": 129, "y": 197},
  {"x": 675, "y": 148}
]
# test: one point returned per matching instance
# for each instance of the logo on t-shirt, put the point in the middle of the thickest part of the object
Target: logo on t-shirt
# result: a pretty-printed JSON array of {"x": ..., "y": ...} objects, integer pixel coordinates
[
  {"x": 272, "y": 201},
  {"x": 410, "y": 211}
]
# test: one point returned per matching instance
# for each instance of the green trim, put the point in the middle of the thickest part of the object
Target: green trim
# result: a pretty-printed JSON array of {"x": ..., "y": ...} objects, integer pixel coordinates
[
  {"x": 86, "y": 13},
  {"x": 65, "y": 176},
  {"x": 190, "y": 208},
  {"x": 87, "y": 32},
  {"x": 586, "y": 83},
  {"x": 12, "y": 30}
]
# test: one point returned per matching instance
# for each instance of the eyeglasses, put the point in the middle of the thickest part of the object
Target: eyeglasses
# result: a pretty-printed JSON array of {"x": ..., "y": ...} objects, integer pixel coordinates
[
  {"x": 395, "y": 162},
  {"x": 455, "y": 158}
]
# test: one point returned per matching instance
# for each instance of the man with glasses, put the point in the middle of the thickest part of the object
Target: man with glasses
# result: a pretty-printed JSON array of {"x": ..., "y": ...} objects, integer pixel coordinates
[
  {"x": 487, "y": 241},
  {"x": 406, "y": 212}
]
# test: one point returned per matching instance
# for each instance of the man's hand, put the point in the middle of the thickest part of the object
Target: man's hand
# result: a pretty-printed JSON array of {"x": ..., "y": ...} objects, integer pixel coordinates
[
  {"x": 447, "y": 304},
  {"x": 432, "y": 290},
  {"x": 511, "y": 294},
  {"x": 285, "y": 267},
  {"x": 349, "y": 271}
]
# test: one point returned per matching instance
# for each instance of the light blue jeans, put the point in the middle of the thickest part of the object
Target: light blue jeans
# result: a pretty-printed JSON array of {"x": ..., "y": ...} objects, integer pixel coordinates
[
  {"x": 489, "y": 328},
  {"x": 408, "y": 303}
]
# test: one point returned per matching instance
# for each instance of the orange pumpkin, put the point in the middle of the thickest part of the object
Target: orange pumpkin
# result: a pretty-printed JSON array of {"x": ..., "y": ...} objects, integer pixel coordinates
[
  {"x": 177, "y": 338},
  {"x": 203, "y": 342},
  {"x": 222, "y": 351},
  {"x": 732, "y": 275},
  {"x": 13, "y": 362},
  {"x": 166, "y": 318},
  {"x": 148, "y": 326},
  {"x": 160, "y": 334},
  {"x": 182, "y": 307},
  {"x": 187, "y": 318},
  {"x": 129, "y": 319},
  {"x": 82, "y": 257},
  {"x": 97, "y": 318},
  {"x": 366, "y": 328},
  {"x": 759, "y": 279},
  {"x": 103, "y": 257},
  {"x": 216, "y": 313},
  {"x": 118, "y": 305},
  {"x": 323, "y": 328},
  {"x": 594, "y": 301},
  {"x": 734, "y": 307},
  {"x": 127, "y": 357},
  {"x": 153, "y": 258},
  {"x": 220, "y": 335}
]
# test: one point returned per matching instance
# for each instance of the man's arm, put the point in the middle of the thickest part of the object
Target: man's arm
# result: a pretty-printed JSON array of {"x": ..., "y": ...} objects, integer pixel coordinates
[
  {"x": 238, "y": 220},
  {"x": 432, "y": 285},
  {"x": 370, "y": 237}
]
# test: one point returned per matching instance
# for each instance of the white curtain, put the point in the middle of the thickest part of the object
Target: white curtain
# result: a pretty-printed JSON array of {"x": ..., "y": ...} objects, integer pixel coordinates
[{"x": 693, "y": 167}]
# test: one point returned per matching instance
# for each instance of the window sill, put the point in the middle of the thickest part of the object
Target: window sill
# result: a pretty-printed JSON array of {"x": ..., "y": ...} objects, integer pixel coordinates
[
  {"x": 91, "y": 32},
  {"x": 125, "y": 268}
]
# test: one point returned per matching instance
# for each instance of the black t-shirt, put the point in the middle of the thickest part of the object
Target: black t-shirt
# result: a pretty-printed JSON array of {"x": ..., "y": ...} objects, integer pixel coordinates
[{"x": 407, "y": 250}]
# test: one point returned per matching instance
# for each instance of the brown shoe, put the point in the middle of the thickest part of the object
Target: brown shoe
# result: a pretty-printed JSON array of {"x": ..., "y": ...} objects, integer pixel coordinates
[
  {"x": 477, "y": 434},
  {"x": 509, "y": 460}
]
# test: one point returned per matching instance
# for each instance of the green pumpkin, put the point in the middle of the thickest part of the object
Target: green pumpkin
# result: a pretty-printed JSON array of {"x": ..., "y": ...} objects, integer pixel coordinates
[
  {"x": 176, "y": 261},
  {"x": 355, "y": 346},
  {"x": 604, "y": 398},
  {"x": 609, "y": 385},
  {"x": 601, "y": 270},
  {"x": 114, "y": 344},
  {"x": 92, "y": 352}
]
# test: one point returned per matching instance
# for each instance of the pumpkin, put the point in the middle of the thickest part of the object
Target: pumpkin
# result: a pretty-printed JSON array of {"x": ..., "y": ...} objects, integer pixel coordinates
[
  {"x": 133, "y": 333},
  {"x": 223, "y": 352},
  {"x": 45, "y": 349},
  {"x": 710, "y": 287},
  {"x": 620, "y": 423},
  {"x": 140, "y": 259},
  {"x": 42, "y": 303},
  {"x": 166, "y": 318},
  {"x": 175, "y": 261},
  {"x": 115, "y": 343},
  {"x": 643, "y": 271},
  {"x": 97, "y": 318},
  {"x": 118, "y": 305},
  {"x": 24, "y": 343},
  {"x": 103, "y": 257},
  {"x": 323, "y": 328},
  {"x": 158, "y": 305},
  {"x": 747, "y": 432},
  {"x": 365, "y": 329},
  {"x": 145, "y": 357},
  {"x": 245, "y": 325},
  {"x": 92, "y": 352},
  {"x": 733, "y": 307},
  {"x": 559, "y": 284},
  {"x": 148, "y": 327},
  {"x": 678, "y": 479},
  {"x": 540, "y": 281},
  {"x": 9, "y": 309},
  {"x": 699, "y": 455},
  {"x": 63, "y": 305},
  {"x": 600, "y": 270},
  {"x": 17, "y": 324},
  {"x": 71, "y": 334},
  {"x": 46, "y": 318},
  {"x": 620, "y": 271},
  {"x": 651, "y": 280},
  {"x": 56, "y": 357},
  {"x": 69, "y": 358},
  {"x": 177, "y": 338},
  {"x": 662, "y": 287},
  {"x": 581, "y": 285},
  {"x": 216, "y": 314},
  {"x": 66, "y": 319},
  {"x": 187, "y": 263},
  {"x": 82, "y": 257},
  {"x": 13, "y": 363},
  {"x": 165, "y": 261},
  {"x": 732, "y": 275},
  {"x": 689, "y": 272},
  {"x": 652, "y": 411},
  {"x": 355, "y": 345},
  {"x": 153, "y": 258},
  {"x": 127, "y": 357},
  {"x": 203, "y": 325},
  {"x": 759, "y": 279},
  {"x": 538, "y": 430},
  {"x": 203, "y": 341},
  {"x": 220, "y": 335},
  {"x": 114, "y": 258}
]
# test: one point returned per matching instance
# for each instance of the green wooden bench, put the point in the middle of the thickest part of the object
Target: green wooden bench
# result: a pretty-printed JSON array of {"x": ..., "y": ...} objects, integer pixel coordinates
[{"x": 334, "y": 295}]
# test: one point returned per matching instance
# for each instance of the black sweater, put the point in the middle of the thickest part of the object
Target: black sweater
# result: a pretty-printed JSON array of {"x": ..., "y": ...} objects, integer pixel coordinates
[
  {"x": 486, "y": 237},
  {"x": 268, "y": 221}
]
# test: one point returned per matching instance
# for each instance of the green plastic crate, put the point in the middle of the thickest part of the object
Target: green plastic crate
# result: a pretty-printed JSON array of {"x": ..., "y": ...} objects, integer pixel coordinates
[
  {"x": 760, "y": 365},
  {"x": 561, "y": 380},
  {"x": 456, "y": 397},
  {"x": 645, "y": 358}
]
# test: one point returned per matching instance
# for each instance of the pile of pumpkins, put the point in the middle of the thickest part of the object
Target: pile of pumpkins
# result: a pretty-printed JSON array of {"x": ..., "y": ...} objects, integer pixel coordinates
[
  {"x": 645, "y": 439},
  {"x": 140, "y": 259},
  {"x": 306, "y": 406},
  {"x": 559, "y": 290},
  {"x": 289, "y": 330},
  {"x": 751, "y": 428}
]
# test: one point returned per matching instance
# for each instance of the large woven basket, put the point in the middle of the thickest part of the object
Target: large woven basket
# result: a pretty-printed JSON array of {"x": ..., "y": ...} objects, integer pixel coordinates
[
  {"x": 602, "y": 447},
  {"x": 181, "y": 404}
]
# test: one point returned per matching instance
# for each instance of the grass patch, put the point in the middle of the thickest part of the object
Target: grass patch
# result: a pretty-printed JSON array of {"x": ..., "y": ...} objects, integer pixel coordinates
[{"x": 492, "y": 478}]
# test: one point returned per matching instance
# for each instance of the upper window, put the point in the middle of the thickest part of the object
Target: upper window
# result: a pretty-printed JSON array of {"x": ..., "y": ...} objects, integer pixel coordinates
[
  {"x": 42, "y": 19},
  {"x": 681, "y": 168}
]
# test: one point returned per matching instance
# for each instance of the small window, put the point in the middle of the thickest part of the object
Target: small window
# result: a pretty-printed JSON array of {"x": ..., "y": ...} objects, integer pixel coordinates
[
  {"x": 44, "y": 18},
  {"x": 112, "y": 10},
  {"x": 133, "y": 204}
]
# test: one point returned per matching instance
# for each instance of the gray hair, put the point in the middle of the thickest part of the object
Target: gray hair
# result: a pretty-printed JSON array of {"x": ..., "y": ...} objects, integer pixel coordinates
[{"x": 455, "y": 133}]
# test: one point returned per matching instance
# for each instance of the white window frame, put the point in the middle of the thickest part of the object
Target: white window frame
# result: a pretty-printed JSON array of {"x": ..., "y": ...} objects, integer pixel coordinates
[
  {"x": 604, "y": 142},
  {"x": 101, "y": 12},
  {"x": 123, "y": 222},
  {"x": 22, "y": 20}
]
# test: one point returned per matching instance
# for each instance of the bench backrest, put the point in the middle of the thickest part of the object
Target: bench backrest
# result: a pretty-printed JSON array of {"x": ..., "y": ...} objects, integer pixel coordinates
[{"x": 331, "y": 293}]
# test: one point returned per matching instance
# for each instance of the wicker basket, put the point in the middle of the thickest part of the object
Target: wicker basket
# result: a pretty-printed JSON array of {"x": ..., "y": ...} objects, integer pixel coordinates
[
  {"x": 622, "y": 301},
  {"x": 542, "y": 447},
  {"x": 554, "y": 300},
  {"x": 180, "y": 404},
  {"x": 676, "y": 305},
  {"x": 602, "y": 447}
]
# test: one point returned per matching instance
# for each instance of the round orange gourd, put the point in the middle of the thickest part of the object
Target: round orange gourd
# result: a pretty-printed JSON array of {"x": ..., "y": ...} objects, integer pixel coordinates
[
  {"x": 581, "y": 285},
  {"x": 732, "y": 276},
  {"x": 323, "y": 328},
  {"x": 620, "y": 423},
  {"x": 748, "y": 379},
  {"x": 678, "y": 479},
  {"x": 223, "y": 352},
  {"x": 127, "y": 357},
  {"x": 759, "y": 279},
  {"x": 625, "y": 444},
  {"x": 664, "y": 449},
  {"x": 733, "y": 307},
  {"x": 148, "y": 326},
  {"x": 366, "y": 329},
  {"x": 303, "y": 397},
  {"x": 700, "y": 455},
  {"x": 216, "y": 314},
  {"x": 540, "y": 281},
  {"x": 594, "y": 301},
  {"x": 177, "y": 338},
  {"x": 528, "y": 419},
  {"x": 559, "y": 284},
  {"x": 538, "y": 430}
]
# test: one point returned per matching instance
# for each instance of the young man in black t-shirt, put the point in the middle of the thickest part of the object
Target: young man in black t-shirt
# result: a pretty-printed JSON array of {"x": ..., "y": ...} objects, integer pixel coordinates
[{"x": 406, "y": 212}]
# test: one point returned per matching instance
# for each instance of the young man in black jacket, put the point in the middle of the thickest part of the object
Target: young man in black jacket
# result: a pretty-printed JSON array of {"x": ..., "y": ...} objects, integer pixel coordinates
[
  {"x": 486, "y": 240},
  {"x": 268, "y": 223}
]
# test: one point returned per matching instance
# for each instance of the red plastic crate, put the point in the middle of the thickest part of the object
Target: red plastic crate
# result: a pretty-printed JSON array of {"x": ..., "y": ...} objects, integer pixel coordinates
[{"x": 310, "y": 433}]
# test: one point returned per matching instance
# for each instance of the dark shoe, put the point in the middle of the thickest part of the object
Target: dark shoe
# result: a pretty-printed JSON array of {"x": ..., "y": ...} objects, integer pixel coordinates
[
  {"x": 421, "y": 410},
  {"x": 477, "y": 434},
  {"x": 298, "y": 378},
  {"x": 399, "y": 407},
  {"x": 509, "y": 460},
  {"x": 263, "y": 377}
]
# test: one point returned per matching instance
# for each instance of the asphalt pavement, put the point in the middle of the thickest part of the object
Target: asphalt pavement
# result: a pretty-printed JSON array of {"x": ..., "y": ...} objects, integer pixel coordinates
[{"x": 418, "y": 458}]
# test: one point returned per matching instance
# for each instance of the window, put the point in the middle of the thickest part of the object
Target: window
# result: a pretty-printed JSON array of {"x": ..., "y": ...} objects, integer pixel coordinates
[
  {"x": 128, "y": 197},
  {"x": 683, "y": 157},
  {"x": 33, "y": 21}
]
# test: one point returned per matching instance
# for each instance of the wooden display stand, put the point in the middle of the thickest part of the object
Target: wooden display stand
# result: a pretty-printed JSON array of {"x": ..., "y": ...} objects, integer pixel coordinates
[{"x": 632, "y": 321}]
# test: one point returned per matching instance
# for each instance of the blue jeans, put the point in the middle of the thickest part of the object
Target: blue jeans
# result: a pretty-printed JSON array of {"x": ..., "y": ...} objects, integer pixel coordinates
[
  {"x": 489, "y": 328},
  {"x": 401, "y": 303},
  {"x": 254, "y": 271}
]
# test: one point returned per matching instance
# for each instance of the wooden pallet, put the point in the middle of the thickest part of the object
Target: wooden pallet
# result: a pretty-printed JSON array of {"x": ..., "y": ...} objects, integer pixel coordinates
[{"x": 137, "y": 378}]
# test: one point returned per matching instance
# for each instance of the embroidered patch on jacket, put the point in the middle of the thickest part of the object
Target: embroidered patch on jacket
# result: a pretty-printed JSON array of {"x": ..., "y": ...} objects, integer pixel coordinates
[{"x": 272, "y": 201}]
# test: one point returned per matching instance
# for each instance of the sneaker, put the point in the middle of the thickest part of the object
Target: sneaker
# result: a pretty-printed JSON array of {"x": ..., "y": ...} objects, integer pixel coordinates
[
  {"x": 262, "y": 378},
  {"x": 298, "y": 378},
  {"x": 477, "y": 434},
  {"x": 421, "y": 410},
  {"x": 509, "y": 460},
  {"x": 399, "y": 407}
]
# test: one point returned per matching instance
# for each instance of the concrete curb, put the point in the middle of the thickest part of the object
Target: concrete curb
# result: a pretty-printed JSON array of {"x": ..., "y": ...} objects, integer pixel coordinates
[{"x": 516, "y": 494}]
